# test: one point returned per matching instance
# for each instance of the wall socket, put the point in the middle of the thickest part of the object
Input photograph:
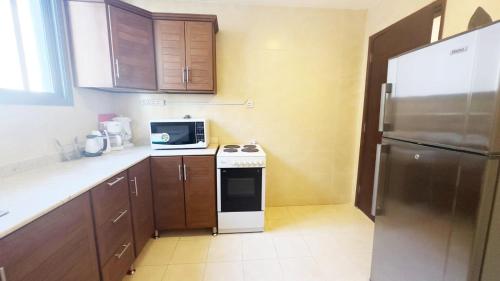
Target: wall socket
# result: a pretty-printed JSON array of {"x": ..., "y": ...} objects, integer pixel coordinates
[
  {"x": 250, "y": 104},
  {"x": 152, "y": 102}
]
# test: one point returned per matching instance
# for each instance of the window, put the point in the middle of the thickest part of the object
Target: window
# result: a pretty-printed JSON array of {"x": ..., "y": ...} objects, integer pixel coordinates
[{"x": 33, "y": 53}]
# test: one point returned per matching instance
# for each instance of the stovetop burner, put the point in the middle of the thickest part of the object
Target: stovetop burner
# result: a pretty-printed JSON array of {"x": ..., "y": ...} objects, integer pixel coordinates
[
  {"x": 232, "y": 146},
  {"x": 230, "y": 150},
  {"x": 251, "y": 146},
  {"x": 250, "y": 150}
]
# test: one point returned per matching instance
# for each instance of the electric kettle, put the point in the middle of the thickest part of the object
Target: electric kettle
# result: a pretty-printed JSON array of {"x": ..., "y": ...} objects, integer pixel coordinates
[{"x": 96, "y": 144}]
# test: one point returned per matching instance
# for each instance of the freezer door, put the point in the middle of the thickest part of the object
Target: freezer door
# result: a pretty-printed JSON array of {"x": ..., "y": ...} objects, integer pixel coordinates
[
  {"x": 427, "y": 205},
  {"x": 446, "y": 94}
]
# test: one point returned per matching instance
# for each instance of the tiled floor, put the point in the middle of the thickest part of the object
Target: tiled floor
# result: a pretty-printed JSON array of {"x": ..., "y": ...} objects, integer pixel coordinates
[{"x": 303, "y": 243}]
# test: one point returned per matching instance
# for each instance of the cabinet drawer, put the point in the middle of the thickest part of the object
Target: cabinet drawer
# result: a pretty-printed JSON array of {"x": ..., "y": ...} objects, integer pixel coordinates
[
  {"x": 118, "y": 265},
  {"x": 57, "y": 246},
  {"x": 109, "y": 197},
  {"x": 112, "y": 233}
]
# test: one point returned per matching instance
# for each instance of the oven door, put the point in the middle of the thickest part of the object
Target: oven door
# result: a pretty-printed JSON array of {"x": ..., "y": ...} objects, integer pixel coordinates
[{"x": 240, "y": 189}]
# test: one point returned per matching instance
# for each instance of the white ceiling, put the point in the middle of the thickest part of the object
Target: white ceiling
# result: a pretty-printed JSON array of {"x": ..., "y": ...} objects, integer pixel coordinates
[{"x": 336, "y": 4}]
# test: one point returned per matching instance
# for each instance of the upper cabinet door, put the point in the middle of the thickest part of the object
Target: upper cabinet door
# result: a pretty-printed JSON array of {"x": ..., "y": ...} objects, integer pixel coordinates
[
  {"x": 200, "y": 56},
  {"x": 171, "y": 54},
  {"x": 132, "y": 47}
]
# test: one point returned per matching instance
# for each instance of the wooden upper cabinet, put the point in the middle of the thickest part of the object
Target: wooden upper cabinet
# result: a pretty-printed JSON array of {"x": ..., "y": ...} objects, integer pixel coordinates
[
  {"x": 171, "y": 54},
  {"x": 185, "y": 56},
  {"x": 199, "y": 56},
  {"x": 112, "y": 47},
  {"x": 116, "y": 46},
  {"x": 132, "y": 48}
]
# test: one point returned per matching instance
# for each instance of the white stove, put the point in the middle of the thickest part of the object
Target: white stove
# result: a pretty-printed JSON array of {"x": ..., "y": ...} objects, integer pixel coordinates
[
  {"x": 241, "y": 188},
  {"x": 241, "y": 155}
]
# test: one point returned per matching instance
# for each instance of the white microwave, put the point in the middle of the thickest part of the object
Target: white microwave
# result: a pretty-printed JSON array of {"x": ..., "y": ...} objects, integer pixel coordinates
[{"x": 179, "y": 133}]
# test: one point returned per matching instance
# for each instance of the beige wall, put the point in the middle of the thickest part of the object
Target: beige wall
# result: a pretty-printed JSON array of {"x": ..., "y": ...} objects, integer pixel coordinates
[
  {"x": 458, "y": 13},
  {"x": 29, "y": 132},
  {"x": 301, "y": 67}
]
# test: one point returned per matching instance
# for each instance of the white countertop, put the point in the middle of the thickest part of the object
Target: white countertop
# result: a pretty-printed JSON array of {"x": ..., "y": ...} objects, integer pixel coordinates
[{"x": 29, "y": 195}]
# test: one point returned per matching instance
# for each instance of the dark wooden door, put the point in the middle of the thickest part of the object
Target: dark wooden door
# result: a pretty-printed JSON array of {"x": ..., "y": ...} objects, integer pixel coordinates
[
  {"x": 57, "y": 246},
  {"x": 411, "y": 32},
  {"x": 200, "y": 56},
  {"x": 199, "y": 191},
  {"x": 168, "y": 190},
  {"x": 132, "y": 46},
  {"x": 171, "y": 54},
  {"x": 141, "y": 199}
]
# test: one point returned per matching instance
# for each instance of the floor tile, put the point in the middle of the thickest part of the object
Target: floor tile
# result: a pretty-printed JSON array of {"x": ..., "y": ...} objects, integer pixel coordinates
[
  {"x": 225, "y": 271},
  {"x": 262, "y": 270},
  {"x": 292, "y": 246},
  {"x": 191, "y": 251},
  {"x": 184, "y": 272},
  {"x": 147, "y": 273},
  {"x": 226, "y": 247},
  {"x": 157, "y": 252},
  {"x": 257, "y": 247},
  {"x": 303, "y": 269}
]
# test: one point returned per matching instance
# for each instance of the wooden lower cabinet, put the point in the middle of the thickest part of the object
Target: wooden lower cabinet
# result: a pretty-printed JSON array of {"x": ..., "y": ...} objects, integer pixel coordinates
[
  {"x": 113, "y": 227},
  {"x": 57, "y": 246},
  {"x": 141, "y": 203},
  {"x": 184, "y": 192},
  {"x": 199, "y": 191}
]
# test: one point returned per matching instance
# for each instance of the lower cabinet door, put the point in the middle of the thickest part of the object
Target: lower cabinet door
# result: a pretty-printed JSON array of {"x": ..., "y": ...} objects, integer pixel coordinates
[
  {"x": 168, "y": 190},
  {"x": 141, "y": 200},
  {"x": 57, "y": 246},
  {"x": 199, "y": 191}
]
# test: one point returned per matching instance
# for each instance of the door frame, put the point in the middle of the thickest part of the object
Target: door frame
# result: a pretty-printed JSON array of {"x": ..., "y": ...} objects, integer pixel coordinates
[{"x": 440, "y": 9}]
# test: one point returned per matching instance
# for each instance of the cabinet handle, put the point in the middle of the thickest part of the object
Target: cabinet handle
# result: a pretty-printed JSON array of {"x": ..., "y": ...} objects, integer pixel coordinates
[
  {"x": 187, "y": 74},
  {"x": 185, "y": 173},
  {"x": 183, "y": 75},
  {"x": 117, "y": 68},
  {"x": 125, "y": 248},
  {"x": 135, "y": 186},
  {"x": 115, "y": 181},
  {"x": 122, "y": 213},
  {"x": 180, "y": 173},
  {"x": 2, "y": 274}
]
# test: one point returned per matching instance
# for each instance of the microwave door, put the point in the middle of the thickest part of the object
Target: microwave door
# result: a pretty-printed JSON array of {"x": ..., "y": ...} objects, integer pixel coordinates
[{"x": 173, "y": 133}]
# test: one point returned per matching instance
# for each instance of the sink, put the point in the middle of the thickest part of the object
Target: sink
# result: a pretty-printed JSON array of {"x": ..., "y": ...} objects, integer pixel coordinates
[{"x": 3, "y": 213}]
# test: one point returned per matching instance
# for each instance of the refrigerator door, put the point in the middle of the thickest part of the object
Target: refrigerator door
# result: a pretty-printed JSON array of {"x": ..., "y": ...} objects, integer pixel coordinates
[
  {"x": 426, "y": 206},
  {"x": 447, "y": 94}
]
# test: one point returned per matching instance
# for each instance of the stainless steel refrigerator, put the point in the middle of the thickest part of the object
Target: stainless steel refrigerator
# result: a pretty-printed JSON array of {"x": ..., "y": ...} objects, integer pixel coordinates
[{"x": 436, "y": 198}]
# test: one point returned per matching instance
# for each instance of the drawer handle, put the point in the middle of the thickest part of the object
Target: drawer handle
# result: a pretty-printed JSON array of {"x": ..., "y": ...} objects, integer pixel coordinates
[
  {"x": 2, "y": 274},
  {"x": 115, "y": 181},
  {"x": 122, "y": 213},
  {"x": 125, "y": 248}
]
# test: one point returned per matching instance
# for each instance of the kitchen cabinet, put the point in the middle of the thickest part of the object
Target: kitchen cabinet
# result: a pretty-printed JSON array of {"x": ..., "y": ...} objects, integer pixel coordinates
[
  {"x": 113, "y": 227},
  {"x": 57, "y": 246},
  {"x": 185, "y": 52},
  {"x": 112, "y": 45},
  {"x": 184, "y": 192},
  {"x": 141, "y": 201}
]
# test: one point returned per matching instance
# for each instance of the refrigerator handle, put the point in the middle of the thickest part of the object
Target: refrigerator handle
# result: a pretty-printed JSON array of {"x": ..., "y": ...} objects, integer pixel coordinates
[
  {"x": 376, "y": 203},
  {"x": 384, "y": 96}
]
